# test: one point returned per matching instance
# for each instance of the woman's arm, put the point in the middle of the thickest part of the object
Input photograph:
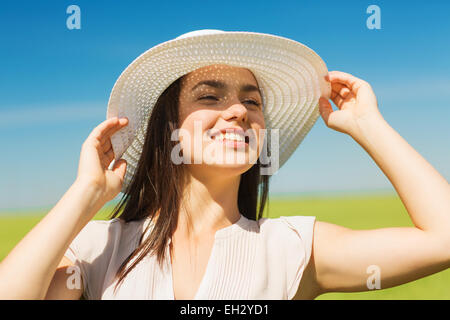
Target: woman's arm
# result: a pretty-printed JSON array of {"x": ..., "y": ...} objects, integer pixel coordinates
[
  {"x": 29, "y": 269},
  {"x": 342, "y": 256}
]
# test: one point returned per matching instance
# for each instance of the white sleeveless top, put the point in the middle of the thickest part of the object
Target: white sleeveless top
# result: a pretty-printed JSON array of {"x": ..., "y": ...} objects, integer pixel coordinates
[{"x": 250, "y": 260}]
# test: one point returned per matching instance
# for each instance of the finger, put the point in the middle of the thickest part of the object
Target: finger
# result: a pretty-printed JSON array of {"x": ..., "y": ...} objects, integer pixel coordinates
[
  {"x": 120, "y": 168},
  {"x": 339, "y": 89},
  {"x": 110, "y": 154},
  {"x": 106, "y": 145},
  {"x": 336, "y": 96},
  {"x": 341, "y": 77},
  {"x": 338, "y": 100},
  {"x": 325, "y": 109},
  {"x": 103, "y": 127},
  {"x": 107, "y": 158},
  {"x": 352, "y": 82},
  {"x": 107, "y": 127},
  {"x": 335, "y": 89},
  {"x": 122, "y": 123}
]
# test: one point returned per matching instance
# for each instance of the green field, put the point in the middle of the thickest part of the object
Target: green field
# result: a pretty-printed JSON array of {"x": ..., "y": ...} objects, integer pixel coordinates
[{"x": 356, "y": 212}]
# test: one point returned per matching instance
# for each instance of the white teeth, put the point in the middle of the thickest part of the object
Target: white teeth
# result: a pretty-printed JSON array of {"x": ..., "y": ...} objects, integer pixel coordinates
[{"x": 229, "y": 136}]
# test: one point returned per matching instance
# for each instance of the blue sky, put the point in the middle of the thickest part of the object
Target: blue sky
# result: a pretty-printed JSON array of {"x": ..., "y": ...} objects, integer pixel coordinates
[{"x": 55, "y": 82}]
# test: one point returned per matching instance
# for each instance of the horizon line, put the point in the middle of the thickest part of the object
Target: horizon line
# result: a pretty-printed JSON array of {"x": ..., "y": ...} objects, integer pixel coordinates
[{"x": 272, "y": 195}]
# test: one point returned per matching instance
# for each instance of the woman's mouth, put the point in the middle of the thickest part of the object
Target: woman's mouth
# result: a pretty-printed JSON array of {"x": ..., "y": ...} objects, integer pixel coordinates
[{"x": 232, "y": 139}]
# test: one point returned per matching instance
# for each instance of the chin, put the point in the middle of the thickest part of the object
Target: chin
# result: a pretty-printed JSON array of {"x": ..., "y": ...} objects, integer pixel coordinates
[{"x": 229, "y": 169}]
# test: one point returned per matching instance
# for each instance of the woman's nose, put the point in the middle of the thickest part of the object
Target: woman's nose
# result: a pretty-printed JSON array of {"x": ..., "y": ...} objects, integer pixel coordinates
[{"x": 236, "y": 111}]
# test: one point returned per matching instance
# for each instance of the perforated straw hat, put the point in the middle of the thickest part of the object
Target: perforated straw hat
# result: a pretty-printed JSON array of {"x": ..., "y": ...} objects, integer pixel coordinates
[{"x": 289, "y": 74}]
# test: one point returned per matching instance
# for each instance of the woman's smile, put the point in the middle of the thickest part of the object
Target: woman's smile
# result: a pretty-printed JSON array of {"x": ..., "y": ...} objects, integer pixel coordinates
[{"x": 231, "y": 137}]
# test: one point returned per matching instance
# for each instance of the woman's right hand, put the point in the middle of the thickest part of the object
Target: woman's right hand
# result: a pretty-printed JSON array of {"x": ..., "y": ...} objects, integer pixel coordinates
[{"x": 96, "y": 156}]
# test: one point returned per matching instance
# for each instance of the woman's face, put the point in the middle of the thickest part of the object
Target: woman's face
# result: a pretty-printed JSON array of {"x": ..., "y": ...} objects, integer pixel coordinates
[{"x": 220, "y": 112}]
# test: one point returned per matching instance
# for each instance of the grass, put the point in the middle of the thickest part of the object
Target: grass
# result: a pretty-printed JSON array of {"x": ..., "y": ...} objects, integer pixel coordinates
[{"x": 356, "y": 212}]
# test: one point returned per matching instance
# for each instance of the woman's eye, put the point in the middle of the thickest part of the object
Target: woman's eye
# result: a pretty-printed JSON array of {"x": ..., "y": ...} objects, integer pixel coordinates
[
  {"x": 209, "y": 97},
  {"x": 253, "y": 102}
]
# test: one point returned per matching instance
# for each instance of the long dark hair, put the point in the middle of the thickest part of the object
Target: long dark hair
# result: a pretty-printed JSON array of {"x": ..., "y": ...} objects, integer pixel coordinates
[{"x": 157, "y": 185}]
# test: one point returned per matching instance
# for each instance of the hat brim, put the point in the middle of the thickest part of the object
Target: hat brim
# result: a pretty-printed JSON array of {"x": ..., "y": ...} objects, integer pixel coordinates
[{"x": 290, "y": 75}]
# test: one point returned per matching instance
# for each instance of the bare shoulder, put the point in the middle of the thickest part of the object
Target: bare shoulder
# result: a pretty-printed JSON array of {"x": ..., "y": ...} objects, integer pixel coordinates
[{"x": 309, "y": 287}]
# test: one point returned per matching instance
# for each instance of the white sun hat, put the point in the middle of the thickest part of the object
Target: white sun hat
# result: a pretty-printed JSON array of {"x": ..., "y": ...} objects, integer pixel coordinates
[{"x": 291, "y": 78}]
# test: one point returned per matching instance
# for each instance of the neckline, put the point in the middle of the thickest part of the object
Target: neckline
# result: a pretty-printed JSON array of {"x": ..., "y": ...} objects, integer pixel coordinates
[
  {"x": 222, "y": 233},
  {"x": 219, "y": 235}
]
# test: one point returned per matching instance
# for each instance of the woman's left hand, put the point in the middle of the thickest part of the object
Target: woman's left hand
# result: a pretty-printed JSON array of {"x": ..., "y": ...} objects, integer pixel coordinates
[{"x": 356, "y": 102}]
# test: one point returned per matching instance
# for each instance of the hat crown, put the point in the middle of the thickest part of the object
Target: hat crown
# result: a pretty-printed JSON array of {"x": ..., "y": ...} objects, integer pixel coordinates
[{"x": 199, "y": 33}]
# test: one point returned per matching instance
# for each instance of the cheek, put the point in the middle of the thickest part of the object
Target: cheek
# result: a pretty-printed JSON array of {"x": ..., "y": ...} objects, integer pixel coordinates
[
  {"x": 204, "y": 117},
  {"x": 195, "y": 124},
  {"x": 258, "y": 126},
  {"x": 261, "y": 122},
  {"x": 257, "y": 122}
]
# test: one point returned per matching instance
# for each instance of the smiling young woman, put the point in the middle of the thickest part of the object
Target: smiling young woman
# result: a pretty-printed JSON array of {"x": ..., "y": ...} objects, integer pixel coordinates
[
  {"x": 194, "y": 230},
  {"x": 213, "y": 195}
]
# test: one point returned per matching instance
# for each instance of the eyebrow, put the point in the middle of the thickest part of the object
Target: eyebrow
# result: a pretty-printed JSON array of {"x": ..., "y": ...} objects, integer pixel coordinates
[{"x": 222, "y": 85}]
